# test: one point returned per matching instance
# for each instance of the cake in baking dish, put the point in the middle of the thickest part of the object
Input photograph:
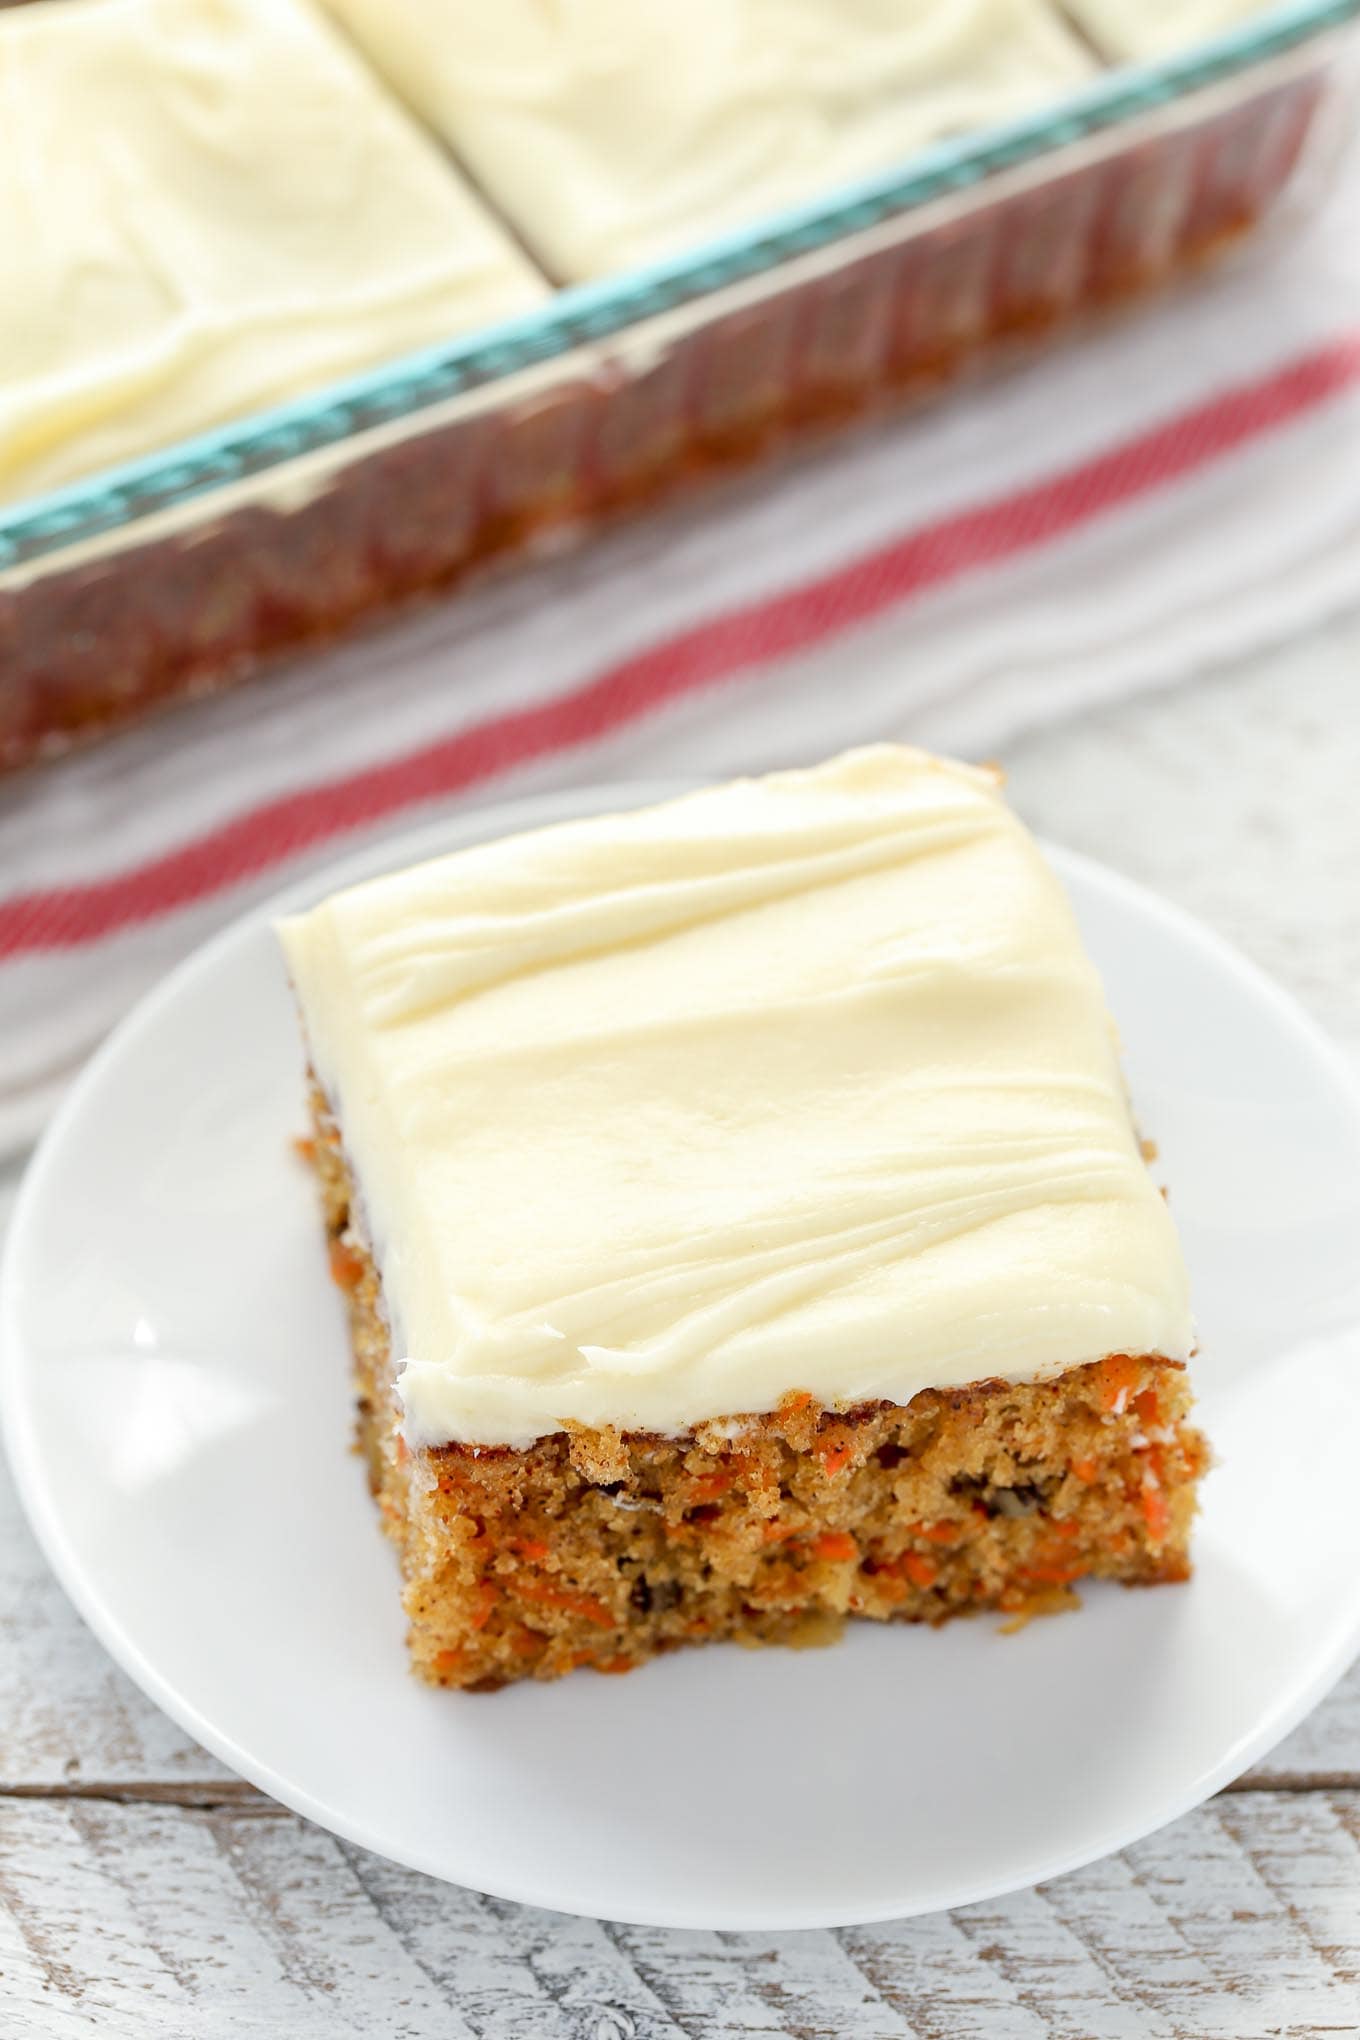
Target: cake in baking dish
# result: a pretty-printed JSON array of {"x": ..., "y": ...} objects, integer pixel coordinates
[
  {"x": 211, "y": 206},
  {"x": 617, "y": 132},
  {"x": 1142, "y": 30},
  {"x": 742, "y": 1225}
]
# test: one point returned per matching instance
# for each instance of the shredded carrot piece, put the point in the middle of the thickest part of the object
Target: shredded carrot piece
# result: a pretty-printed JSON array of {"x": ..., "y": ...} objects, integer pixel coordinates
[
  {"x": 890, "y": 1587},
  {"x": 1047, "y": 1601},
  {"x": 614, "y": 1664},
  {"x": 707, "y": 1487},
  {"x": 488, "y": 1593},
  {"x": 938, "y": 1533},
  {"x": 836, "y": 1544},
  {"x": 533, "y": 1549},
  {"x": 920, "y": 1570},
  {"x": 347, "y": 1270},
  {"x": 775, "y": 1533},
  {"x": 401, "y": 1450},
  {"x": 799, "y": 1399},
  {"x": 1085, "y": 1470},
  {"x": 834, "y": 1458},
  {"x": 528, "y": 1642},
  {"x": 1065, "y": 1530},
  {"x": 583, "y": 1605},
  {"x": 1118, "y": 1377},
  {"x": 304, "y": 1148},
  {"x": 1147, "y": 1409},
  {"x": 450, "y": 1660},
  {"x": 1048, "y": 1575}
]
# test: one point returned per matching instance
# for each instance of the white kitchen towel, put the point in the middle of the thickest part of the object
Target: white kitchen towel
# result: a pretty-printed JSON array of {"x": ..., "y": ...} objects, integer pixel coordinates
[{"x": 1178, "y": 488}]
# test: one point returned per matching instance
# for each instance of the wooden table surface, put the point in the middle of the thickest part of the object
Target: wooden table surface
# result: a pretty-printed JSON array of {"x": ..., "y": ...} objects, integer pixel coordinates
[{"x": 144, "y": 1891}]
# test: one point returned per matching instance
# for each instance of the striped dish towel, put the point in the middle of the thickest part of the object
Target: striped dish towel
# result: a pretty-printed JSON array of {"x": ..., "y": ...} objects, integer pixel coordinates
[{"x": 1179, "y": 489}]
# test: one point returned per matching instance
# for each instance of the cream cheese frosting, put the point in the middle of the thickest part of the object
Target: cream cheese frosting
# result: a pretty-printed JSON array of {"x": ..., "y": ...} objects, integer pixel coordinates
[
  {"x": 613, "y": 132},
  {"x": 210, "y": 206},
  {"x": 802, "y": 1082},
  {"x": 1137, "y": 29}
]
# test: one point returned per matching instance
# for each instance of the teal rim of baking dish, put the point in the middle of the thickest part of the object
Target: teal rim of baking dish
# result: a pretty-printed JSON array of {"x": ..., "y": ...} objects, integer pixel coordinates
[{"x": 594, "y": 312}]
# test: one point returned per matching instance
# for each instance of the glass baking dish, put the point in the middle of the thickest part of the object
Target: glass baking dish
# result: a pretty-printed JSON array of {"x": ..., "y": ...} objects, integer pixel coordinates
[{"x": 188, "y": 570}]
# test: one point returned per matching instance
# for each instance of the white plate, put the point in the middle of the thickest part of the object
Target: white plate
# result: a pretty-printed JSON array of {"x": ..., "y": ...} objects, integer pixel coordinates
[{"x": 178, "y": 1415}]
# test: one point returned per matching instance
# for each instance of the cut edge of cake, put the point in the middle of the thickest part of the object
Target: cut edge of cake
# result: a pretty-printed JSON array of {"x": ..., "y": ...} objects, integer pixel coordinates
[{"x": 605, "y": 1548}]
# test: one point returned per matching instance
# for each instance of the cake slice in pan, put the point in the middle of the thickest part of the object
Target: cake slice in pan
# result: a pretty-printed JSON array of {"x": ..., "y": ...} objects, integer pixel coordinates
[
  {"x": 742, "y": 1224},
  {"x": 211, "y": 206},
  {"x": 619, "y": 132},
  {"x": 1140, "y": 30}
]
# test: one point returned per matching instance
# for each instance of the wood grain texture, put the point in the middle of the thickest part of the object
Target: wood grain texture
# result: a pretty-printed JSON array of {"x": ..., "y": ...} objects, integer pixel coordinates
[
  {"x": 151, "y": 1921},
  {"x": 147, "y": 1894}
]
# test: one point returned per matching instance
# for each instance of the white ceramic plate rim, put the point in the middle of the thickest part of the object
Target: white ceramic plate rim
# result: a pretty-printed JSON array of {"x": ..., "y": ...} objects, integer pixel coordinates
[{"x": 1297, "y": 1697}]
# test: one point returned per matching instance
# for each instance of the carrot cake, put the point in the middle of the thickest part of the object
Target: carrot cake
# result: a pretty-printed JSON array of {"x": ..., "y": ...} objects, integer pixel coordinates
[
  {"x": 742, "y": 1225},
  {"x": 211, "y": 206},
  {"x": 616, "y": 132}
]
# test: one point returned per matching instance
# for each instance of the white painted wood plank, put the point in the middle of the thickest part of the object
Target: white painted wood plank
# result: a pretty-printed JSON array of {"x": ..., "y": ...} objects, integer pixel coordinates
[
  {"x": 242, "y": 1950},
  {"x": 580, "y": 1967},
  {"x": 814, "y": 1985},
  {"x": 763, "y": 1985},
  {"x": 1263, "y": 1973},
  {"x": 721, "y": 1984},
  {"x": 1124, "y": 1930},
  {"x": 1054, "y": 1973},
  {"x": 80, "y": 1929},
  {"x": 339, "y": 1954},
  {"x": 67, "y": 1714},
  {"x": 1325, "y": 1747},
  {"x": 155, "y": 1921},
  {"x": 700, "y": 1982},
  {"x": 199, "y": 1923},
  {"x": 456, "y": 1939},
  {"x": 948, "y": 1986},
  {"x": 1308, "y": 1856},
  {"x": 33, "y": 2006}
]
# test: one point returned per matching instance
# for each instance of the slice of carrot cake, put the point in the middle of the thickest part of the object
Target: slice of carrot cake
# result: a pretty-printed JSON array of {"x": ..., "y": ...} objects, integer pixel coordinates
[{"x": 742, "y": 1224}]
